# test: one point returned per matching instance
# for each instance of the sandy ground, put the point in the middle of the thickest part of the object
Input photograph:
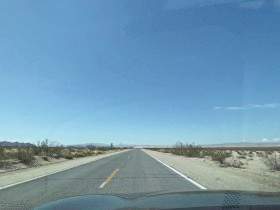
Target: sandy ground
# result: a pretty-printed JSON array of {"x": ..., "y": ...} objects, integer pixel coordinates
[
  {"x": 12, "y": 177},
  {"x": 253, "y": 176},
  {"x": 39, "y": 161}
]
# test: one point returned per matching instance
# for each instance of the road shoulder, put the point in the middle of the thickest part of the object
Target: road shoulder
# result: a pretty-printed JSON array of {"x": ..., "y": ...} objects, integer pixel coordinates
[{"x": 214, "y": 177}]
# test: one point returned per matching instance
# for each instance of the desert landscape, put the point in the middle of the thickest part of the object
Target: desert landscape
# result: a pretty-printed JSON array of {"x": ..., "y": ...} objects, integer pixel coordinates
[
  {"x": 16, "y": 156},
  {"x": 225, "y": 168}
]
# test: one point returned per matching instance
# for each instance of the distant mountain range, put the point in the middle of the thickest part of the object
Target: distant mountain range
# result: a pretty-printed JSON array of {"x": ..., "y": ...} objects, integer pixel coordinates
[
  {"x": 90, "y": 145},
  {"x": 101, "y": 145},
  {"x": 20, "y": 144},
  {"x": 14, "y": 144},
  {"x": 233, "y": 144}
]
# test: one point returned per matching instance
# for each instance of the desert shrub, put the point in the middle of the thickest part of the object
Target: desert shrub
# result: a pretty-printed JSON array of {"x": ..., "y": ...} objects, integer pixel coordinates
[
  {"x": 193, "y": 151},
  {"x": 36, "y": 149},
  {"x": 12, "y": 154},
  {"x": 6, "y": 155},
  {"x": 80, "y": 154},
  {"x": 261, "y": 154},
  {"x": 41, "y": 148},
  {"x": 187, "y": 150},
  {"x": 45, "y": 158},
  {"x": 25, "y": 155},
  {"x": 2, "y": 153},
  {"x": 207, "y": 153},
  {"x": 273, "y": 161},
  {"x": 232, "y": 162},
  {"x": 55, "y": 149},
  {"x": 242, "y": 152},
  {"x": 2, "y": 158},
  {"x": 69, "y": 157},
  {"x": 56, "y": 155},
  {"x": 44, "y": 146},
  {"x": 269, "y": 152},
  {"x": 220, "y": 156},
  {"x": 89, "y": 153},
  {"x": 251, "y": 155},
  {"x": 98, "y": 152}
]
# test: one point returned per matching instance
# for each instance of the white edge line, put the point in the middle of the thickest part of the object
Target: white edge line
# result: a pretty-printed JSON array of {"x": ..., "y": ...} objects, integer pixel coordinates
[
  {"x": 41, "y": 176},
  {"x": 179, "y": 173}
]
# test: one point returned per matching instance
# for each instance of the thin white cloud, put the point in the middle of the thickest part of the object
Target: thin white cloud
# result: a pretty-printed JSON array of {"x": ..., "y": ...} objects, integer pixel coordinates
[
  {"x": 235, "y": 108},
  {"x": 179, "y": 4},
  {"x": 264, "y": 140},
  {"x": 244, "y": 4},
  {"x": 217, "y": 107},
  {"x": 271, "y": 140},
  {"x": 252, "y": 4},
  {"x": 248, "y": 107},
  {"x": 229, "y": 107}
]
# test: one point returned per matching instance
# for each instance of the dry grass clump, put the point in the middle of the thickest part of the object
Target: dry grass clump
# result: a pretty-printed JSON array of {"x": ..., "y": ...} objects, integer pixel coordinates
[{"x": 26, "y": 155}]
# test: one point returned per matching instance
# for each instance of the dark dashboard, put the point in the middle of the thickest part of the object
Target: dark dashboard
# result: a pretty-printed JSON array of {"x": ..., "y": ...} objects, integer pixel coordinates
[{"x": 188, "y": 200}]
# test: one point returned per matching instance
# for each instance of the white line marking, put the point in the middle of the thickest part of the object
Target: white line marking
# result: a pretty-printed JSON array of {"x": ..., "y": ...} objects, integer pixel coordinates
[
  {"x": 179, "y": 173},
  {"x": 109, "y": 178},
  {"x": 102, "y": 185}
]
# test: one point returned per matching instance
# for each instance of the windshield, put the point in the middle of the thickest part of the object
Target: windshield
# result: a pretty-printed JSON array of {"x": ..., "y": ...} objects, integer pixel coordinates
[{"x": 138, "y": 98}]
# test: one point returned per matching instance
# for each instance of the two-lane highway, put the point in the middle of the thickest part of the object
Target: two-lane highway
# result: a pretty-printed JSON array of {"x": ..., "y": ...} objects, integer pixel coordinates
[{"x": 132, "y": 172}]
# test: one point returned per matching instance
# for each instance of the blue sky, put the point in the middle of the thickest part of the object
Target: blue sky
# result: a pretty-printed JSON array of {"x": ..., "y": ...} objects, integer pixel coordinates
[{"x": 140, "y": 72}]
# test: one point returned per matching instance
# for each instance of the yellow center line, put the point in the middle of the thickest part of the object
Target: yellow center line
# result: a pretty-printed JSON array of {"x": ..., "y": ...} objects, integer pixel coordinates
[{"x": 109, "y": 178}]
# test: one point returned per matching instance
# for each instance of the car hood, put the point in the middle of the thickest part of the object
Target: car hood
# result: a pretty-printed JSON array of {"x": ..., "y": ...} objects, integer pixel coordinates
[{"x": 200, "y": 199}]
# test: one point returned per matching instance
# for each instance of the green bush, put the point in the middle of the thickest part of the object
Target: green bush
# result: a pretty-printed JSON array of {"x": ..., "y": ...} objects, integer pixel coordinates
[{"x": 220, "y": 156}]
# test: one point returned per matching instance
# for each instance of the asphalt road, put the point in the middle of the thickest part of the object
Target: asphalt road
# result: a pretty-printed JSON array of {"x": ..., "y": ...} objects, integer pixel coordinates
[{"x": 131, "y": 173}]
